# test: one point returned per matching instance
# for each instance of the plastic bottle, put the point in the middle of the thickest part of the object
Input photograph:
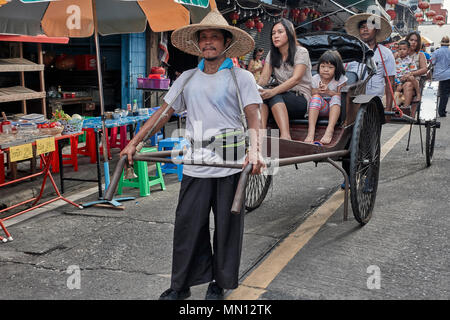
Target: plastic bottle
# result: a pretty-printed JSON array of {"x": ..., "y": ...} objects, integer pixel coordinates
[{"x": 135, "y": 106}]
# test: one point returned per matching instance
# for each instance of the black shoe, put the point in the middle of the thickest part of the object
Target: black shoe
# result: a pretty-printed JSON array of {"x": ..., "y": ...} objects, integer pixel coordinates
[
  {"x": 214, "y": 292},
  {"x": 171, "y": 294}
]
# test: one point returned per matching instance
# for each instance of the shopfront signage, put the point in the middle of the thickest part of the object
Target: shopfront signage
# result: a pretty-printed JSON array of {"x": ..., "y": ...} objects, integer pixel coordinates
[
  {"x": 45, "y": 145},
  {"x": 196, "y": 3},
  {"x": 22, "y": 152}
]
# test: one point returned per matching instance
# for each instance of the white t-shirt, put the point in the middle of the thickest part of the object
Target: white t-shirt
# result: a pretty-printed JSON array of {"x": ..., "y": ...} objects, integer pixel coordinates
[
  {"x": 211, "y": 103},
  {"x": 376, "y": 84}
]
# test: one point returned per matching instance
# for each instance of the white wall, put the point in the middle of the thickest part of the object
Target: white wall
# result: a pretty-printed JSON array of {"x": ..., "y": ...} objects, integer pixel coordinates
[{"x": 435, "y": 33}]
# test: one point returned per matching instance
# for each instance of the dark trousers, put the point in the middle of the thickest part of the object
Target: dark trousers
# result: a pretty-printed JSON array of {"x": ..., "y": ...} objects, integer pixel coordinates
[
  {"x": 194, "y": 261},
  {"x": 444, "y": 92},
  {"x": 296, "y": 105}
]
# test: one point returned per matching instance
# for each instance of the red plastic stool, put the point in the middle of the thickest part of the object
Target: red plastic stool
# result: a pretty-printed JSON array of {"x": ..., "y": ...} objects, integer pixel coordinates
[
  {"x": 122, "y": 142},
  {"x": 89, "y": 148},
  {"x": 2, "y": 167},
  {"x": 71, "y": 158}
]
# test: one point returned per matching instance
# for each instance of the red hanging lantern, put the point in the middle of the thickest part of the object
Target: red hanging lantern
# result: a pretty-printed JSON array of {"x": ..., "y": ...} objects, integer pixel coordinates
[
  {"x": 250, "y": 24},
  {"x": 418, "y": 15},
  {"x": 430, "y": 14},
  {"x": 234, "y": 16},
  {"x": 392, "y": 14},
  {"x": 440, "y": 23},
  {"x": 295, "y": 13},
  {"x": 302, "y": 17},
  {"x": 392, "y": 2},
  {"x": 420, "y": 20},
  {"x": 259, "y": 26},
  {"x": 423, "y": 5},
  {"x": 439, "y": 17},
  {"x": 326, "y": 24}
]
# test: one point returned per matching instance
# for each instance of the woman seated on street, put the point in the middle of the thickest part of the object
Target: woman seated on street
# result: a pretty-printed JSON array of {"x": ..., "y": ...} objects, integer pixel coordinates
[
  {"x": 290, "y": 64},
  {"x": 415, "y": 44}
]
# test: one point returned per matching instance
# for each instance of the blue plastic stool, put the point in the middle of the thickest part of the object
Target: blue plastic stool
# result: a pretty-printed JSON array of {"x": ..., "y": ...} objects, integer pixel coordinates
[{"x": 170, "y": 144}]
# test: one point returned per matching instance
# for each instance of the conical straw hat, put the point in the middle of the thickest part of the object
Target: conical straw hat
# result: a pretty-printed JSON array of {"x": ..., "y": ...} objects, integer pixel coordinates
[
  {"x": 384, "y": 29},
  {"x": 185, "y": 38}
]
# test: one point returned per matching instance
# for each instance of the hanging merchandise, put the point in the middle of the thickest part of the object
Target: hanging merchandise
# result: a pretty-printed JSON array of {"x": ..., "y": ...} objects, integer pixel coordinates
[
  {"x": 418, "y": 15},
  {"x": 234, "y": 16},
  {"x": 439, "y": 17},
  {"x": 259, "y": 26},
  {"x": 392, "y": 2},
  {"x": 326, "y": 24},
  {"x": 430, "y": 14},
  {"x": 250, "y": 24},
  {"x": 392, "y": 14},
  {"x": 163, "y": 53},
  {"x": 440, "y": 23},
  {"x": 295, "y": 14},
  {"x": 423, "y": 5}
]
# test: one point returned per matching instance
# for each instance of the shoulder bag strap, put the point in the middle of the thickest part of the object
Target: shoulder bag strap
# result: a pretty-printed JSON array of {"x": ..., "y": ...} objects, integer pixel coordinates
[{"x": 241, "y": 107}]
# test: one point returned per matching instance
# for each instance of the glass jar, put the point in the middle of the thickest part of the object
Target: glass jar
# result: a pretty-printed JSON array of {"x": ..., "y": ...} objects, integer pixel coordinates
[{"x": 27, "y": 129}]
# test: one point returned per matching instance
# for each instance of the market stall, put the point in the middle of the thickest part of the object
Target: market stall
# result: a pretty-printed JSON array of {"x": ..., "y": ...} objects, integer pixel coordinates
[{"x": 18, "y": 147}]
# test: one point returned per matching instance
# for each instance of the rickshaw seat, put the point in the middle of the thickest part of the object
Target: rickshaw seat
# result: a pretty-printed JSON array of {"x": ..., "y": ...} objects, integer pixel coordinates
[{"x": 320, "y": 122}]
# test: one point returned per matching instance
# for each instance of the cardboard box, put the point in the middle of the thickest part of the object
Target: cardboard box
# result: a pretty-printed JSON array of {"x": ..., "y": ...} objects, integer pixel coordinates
[{"x": 86, "y": 62}]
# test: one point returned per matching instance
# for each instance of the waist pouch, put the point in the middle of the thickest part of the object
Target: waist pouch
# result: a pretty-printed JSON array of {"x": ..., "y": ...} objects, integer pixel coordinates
[{"x": 229, "y": 144}]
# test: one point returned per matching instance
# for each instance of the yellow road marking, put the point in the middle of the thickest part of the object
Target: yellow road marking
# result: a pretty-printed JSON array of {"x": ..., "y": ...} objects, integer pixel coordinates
[{"x": 256, "y": 283}]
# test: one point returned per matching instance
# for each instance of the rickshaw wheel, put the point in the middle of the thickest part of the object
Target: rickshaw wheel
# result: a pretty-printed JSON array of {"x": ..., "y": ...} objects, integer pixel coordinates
[
  {"x": 256, "y": 190},
  {"x": 365, "y": 161},
  {"x": 430, "y": 139}
]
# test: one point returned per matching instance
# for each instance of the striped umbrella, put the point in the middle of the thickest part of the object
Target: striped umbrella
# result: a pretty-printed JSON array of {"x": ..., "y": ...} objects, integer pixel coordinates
[
  {"x": 84, "y": 18},
  {"x": 75, "y": 18}
]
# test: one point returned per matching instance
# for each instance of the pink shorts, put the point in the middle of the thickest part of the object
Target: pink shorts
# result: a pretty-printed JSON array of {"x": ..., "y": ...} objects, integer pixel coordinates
[{"x": 323, "y": 104}]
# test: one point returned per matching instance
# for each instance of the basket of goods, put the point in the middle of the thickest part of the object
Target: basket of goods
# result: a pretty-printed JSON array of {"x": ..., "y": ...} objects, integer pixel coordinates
[
  {"x": 155, "y": 80},
  {"x": 52, "y": 129},
  {"x": 71, "y": 125}
]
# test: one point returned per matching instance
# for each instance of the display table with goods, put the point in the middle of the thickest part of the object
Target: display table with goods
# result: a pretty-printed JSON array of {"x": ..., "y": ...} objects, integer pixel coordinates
[{"x": 28, "y": 137}]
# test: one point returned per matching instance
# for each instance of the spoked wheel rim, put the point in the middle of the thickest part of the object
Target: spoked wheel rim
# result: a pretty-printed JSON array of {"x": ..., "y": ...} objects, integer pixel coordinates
[
  {"x": 430, "y": 141},
  {"x": 365, "y": 162},
  {"x": 256, "y": 190}
]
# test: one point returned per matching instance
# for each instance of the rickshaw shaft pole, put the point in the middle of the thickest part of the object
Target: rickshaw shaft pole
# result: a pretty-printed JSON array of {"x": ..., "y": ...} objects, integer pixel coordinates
[
  {"x": 152, "y": 157},
  {"x": 347, "y": 184}
]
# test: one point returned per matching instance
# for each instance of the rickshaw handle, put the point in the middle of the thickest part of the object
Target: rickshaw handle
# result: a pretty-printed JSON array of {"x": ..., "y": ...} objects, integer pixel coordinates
[
  {"x": 239, "y": 196},
  {"x": 390, "y": 85}
]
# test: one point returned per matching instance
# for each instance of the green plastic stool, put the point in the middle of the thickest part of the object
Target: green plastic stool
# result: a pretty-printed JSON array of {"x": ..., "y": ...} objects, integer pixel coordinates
[{"x": 143, "y": 181}]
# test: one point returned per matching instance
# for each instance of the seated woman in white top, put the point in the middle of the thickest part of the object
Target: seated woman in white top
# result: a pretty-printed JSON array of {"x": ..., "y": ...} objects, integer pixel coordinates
[{"x": 291, "y": 68}]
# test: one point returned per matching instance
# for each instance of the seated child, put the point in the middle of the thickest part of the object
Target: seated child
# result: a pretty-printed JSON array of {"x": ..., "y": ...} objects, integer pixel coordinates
[
  {"x": 326, "y": 94},
  {"x": 405, "y": 65}
]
